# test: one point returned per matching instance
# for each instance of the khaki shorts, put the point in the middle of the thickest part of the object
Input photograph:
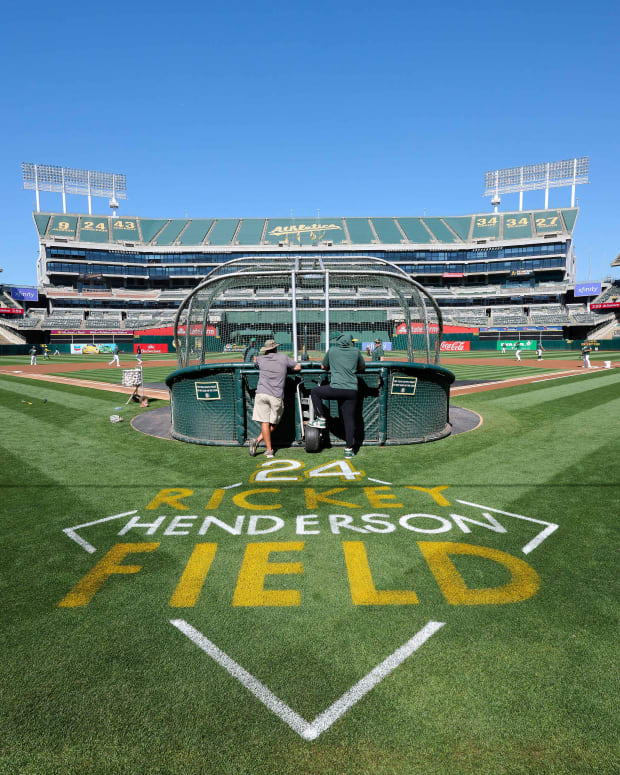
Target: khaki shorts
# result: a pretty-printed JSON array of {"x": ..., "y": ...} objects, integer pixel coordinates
[{"x": 268, "y": 409}]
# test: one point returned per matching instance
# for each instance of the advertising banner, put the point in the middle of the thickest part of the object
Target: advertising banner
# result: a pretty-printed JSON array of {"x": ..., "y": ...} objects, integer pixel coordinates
[
  {"x": 512, "y": 329},
  {"x": 606, "y": 305},
  {"x": 96, "y": 332},
  {"x": 196, "y": 330},
  {"x": 529, "y": 344},
  {"x": 387, "y": 346},
  {"x": 418, "y": 328},
  {"x": 151, "y": 348},
  {"x": 587, "y": 289},
  {"x": 455, "y": 347},
  {"x": 11, "y": 311},
  {"x": 452, "y": 274},
  {"x": 25, "y": 294}
]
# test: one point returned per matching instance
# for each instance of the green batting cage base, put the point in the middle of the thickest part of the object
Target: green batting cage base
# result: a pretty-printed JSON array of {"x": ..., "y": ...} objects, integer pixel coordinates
[{"x": 399, "y": 403}]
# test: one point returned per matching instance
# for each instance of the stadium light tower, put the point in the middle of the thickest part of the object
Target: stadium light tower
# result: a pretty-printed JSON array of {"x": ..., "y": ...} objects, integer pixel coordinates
[
  {"x": 550, "y": 174},
  {"x": 66, "y": 180}
]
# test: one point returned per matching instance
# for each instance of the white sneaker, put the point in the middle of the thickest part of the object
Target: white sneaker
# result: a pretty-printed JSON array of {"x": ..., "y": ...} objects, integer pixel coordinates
[{"x": 318, "y": 422}]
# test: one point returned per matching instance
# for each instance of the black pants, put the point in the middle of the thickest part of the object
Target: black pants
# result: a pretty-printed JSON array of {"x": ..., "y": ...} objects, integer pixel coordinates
[{"x": 347, "y": 404}]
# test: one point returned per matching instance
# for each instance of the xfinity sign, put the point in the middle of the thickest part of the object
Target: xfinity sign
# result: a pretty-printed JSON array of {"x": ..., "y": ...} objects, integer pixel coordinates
[{"x": 588, "y": 289}]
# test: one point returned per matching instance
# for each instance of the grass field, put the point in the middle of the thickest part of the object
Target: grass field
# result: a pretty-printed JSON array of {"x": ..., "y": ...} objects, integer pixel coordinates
[{"x": 439, "y": 608}]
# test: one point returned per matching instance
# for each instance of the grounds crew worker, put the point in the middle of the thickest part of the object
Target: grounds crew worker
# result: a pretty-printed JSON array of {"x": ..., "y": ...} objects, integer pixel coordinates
[
  {"x": 250, "y": 351},
  {"x": 342, "y": 360},
  {"x": 378, "y": 353},
  {"x": 268, "y": 401}
]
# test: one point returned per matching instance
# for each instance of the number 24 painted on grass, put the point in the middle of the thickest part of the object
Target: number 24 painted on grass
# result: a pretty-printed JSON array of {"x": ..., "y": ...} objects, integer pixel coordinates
[{"x": 273, "y": 470}]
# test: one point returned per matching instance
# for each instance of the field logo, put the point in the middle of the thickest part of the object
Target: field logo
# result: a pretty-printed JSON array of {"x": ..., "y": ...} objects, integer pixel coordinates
[{"x": 337, "y": 501}]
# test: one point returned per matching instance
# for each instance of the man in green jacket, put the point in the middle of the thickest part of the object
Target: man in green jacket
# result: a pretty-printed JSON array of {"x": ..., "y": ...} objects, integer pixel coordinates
[
  {"x": 377, "y": 353},
  {"x": 343, "y": 361}
]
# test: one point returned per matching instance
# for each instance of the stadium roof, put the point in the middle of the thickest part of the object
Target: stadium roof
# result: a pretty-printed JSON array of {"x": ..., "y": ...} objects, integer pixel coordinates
[{"x": 309, "y": 232}]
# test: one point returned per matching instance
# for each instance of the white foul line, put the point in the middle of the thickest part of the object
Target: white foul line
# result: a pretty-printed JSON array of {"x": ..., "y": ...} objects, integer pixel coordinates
[
  {"x": 70, "y": 531},
  {"x": 537, "y": 540},
  {"x": 309, "y": 731}
]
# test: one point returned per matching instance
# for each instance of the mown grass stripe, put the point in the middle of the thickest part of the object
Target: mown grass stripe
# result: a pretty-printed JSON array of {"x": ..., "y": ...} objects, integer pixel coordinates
[
  {"x": 55, "y": 395},
  {"x": 557, "y": 390},
  {"x": 532, "y": 447},
  {"x": 114, "y": 377}
]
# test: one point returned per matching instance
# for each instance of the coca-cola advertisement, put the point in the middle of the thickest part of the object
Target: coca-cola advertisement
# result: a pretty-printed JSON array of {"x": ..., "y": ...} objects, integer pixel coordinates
[{"x": 455, "y": 347}]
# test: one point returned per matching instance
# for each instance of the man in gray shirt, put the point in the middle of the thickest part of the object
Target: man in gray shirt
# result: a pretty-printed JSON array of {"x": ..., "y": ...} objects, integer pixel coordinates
[{"x": 268, "y": 401}]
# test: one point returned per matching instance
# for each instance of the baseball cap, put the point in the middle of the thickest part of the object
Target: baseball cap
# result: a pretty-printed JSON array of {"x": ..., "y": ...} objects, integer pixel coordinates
[
  {"x": 377, "y": 341},
  {"x": 270, "y": 344}
]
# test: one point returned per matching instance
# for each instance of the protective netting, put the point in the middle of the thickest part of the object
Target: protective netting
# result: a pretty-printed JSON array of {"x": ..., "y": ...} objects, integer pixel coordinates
[{"x": 303, "y": 304}]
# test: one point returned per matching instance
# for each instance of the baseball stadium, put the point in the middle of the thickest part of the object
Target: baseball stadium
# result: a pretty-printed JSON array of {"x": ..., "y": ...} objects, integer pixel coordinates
[{"x": 443, "y": 599}]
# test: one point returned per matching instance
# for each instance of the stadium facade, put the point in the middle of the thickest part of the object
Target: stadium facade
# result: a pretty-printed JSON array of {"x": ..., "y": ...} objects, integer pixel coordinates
[{"x": 491, "y": 271}]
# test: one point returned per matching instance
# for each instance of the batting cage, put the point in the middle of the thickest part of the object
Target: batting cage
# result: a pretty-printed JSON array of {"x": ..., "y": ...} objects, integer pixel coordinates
[{"x": 304, "y": 303}]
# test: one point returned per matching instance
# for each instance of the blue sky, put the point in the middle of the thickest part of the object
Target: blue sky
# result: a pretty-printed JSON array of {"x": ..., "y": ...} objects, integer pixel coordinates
[{"x": 260, "y": 109}]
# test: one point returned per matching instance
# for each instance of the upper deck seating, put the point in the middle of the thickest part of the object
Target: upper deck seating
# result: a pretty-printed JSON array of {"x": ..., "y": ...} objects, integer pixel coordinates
[
  {"x": 251, "y": 231},
  {"x": 169, "y": 234},
  {"x": 387, "y": 230},
  {"x": 509, "y": 319},
  {"x": 439, "y": 229},
  {"x": 195, "y": 232},
  {"x": 222, "y": 231},
  {"x": 360, "y": 231}
]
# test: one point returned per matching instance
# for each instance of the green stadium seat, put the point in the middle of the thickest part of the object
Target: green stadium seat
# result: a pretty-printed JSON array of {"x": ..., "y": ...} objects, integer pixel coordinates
[
  {"x": 461, "y": 225},
  {"x": 251, "y": 231},
  {"x": 360, "y": 231},
  {"x": 387, "y": 231},
  {"x": 41, "y": 222},
  {"x": 570, "y": 216},
  {"x": 223, "y": 231},
  {"x": 440, "y": 230},
  {"x": 150, "y": 227},
  {"x": 196, "y": 231},
  {"x": 415, "y": 230},
  {"x": 170, "y": 232}
]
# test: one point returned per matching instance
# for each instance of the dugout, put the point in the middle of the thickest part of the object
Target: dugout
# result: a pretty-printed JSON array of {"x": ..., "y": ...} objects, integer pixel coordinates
[{"x": 305, "y": 303}]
